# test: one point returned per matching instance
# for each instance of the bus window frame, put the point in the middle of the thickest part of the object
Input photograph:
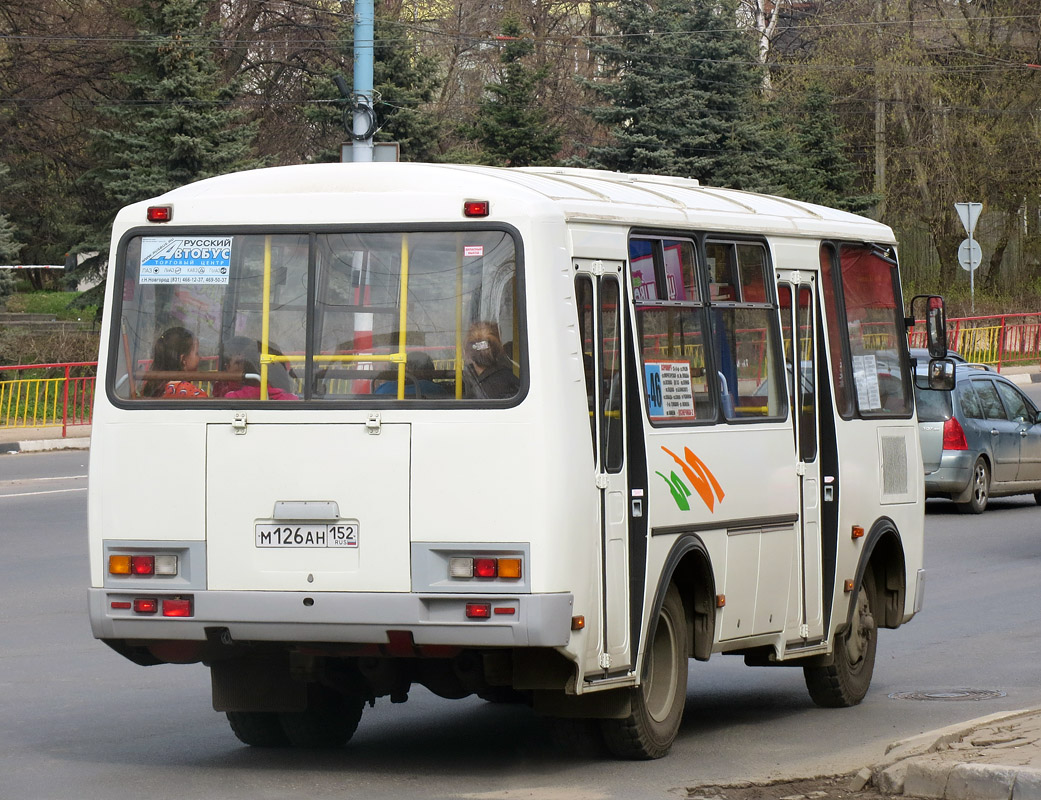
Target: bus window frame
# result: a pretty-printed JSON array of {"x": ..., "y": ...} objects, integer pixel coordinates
[
  {"x": 700, "y": 306},
  {"x": 834, "y": 307},
  {"x": 770, "y": 303},
  {"x": 312, "y": 232}
]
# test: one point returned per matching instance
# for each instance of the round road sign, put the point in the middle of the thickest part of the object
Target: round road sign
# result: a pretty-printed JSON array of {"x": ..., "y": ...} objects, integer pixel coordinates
[{"x": 970, "y": 256}]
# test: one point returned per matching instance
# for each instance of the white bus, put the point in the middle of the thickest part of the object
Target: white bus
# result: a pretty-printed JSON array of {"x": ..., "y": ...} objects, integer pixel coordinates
[{"x": 536, "y": 434}]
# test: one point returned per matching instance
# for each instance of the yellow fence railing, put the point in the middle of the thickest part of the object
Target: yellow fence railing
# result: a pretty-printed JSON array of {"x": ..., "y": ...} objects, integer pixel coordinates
[{"x": 42, "y": 395}]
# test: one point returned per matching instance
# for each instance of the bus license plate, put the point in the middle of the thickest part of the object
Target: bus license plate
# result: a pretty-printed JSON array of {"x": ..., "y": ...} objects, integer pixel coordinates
[{"x": 307, "y": 534}]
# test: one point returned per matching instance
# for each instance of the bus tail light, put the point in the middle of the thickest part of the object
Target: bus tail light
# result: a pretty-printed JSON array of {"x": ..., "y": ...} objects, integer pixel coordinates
[
  {"x": 177, "y": 607},
  {"x": 478, "y": 610},
  {"x": 485, "y": 567},
  {"x": 146, "y": 605},
  {"x": 141, "y": 565},
  {"x": 954, "y": 436}
]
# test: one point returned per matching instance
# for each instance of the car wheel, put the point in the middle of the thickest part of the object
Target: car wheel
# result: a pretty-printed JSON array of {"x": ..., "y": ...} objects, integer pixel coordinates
[
  {"x": 329, "y": 721},
  {"x": 258, "y": 728},
  {"x": 980, "y": 487}
]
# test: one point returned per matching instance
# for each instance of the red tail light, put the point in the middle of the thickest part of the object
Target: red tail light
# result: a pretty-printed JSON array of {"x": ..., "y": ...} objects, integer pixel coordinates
[{"x": 954, "y": 436}]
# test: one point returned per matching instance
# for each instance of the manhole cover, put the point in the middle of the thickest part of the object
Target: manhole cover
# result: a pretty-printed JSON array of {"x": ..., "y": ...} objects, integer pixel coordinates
[{"x": 953, "y": 694}]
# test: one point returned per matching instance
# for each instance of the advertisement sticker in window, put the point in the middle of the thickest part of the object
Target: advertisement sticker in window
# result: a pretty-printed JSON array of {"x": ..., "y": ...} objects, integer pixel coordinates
[
  {"x": 669, "y": 391},
  {"x": 185, "y": 259}
]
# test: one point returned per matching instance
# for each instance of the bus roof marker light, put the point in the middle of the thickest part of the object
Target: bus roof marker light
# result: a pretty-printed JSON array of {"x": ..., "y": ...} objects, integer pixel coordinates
[
  {"x": 476, "y": 208},
  {"x": 159, "y": 213}
]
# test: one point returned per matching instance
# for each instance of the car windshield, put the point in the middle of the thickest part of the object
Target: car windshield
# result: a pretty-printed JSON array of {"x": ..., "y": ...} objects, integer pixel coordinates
[{"x": 933, "y": 405}]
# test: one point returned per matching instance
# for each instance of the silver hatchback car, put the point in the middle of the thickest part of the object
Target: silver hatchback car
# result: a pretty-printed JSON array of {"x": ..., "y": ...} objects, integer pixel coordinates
[{"x": 980, "y": 440}]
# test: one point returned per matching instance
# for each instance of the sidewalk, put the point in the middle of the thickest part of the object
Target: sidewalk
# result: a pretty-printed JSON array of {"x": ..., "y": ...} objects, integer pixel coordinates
[
  {"x": 997, "y": 757},
  {"x": 26, "y": 440}
]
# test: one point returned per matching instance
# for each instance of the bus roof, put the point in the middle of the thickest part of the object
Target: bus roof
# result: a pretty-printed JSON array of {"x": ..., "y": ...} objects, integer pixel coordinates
[{"x": 409, "y": 192}]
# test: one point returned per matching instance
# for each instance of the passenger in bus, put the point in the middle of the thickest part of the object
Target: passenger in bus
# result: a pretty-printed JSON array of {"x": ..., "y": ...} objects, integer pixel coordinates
[
  {"x": 419, "y": 373},
  {"x": 176, "y": 350},
  {"x": 488, "y": 373},
  {"x": 242, "y": 354}
]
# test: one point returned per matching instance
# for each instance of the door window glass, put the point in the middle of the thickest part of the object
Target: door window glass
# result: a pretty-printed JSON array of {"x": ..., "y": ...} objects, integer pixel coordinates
[
  {"x": 968, "y": 400},
  {"x": 1016, "y": 406},
  {"x": 611, "y": 373},
  {"x": 992, "y": 408},
  {"x": 584, "y": 298}
]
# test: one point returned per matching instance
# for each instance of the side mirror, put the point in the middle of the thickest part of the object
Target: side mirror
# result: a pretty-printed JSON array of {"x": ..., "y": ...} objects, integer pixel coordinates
[
  {"x": 935, "y": 315},
  {"x": 939, "y": 376}
]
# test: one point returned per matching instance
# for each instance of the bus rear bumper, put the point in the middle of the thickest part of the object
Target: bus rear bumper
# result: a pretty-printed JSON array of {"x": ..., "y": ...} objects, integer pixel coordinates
[{"x": 537, "y": 620}]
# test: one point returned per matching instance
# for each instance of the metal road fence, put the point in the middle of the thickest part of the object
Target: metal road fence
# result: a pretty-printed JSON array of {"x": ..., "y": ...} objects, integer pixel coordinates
[
  {"x": 1004, "y": 340},
  {"x": 42, "y": 395}
]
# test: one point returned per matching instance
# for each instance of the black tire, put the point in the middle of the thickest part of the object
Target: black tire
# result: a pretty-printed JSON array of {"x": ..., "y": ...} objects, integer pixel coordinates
[
  {"x": 980, "y": 485},
  {"x": 258, "y": 728},
  {"x": 329, "y": 721},
  {"x": 1037, "y": 498},
  {"x": 657, "y": 703},
  {"x": 845, "y": 682}
]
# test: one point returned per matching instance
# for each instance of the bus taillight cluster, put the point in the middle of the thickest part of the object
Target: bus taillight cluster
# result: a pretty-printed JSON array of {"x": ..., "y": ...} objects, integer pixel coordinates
[{"x": 484, "y": 567}]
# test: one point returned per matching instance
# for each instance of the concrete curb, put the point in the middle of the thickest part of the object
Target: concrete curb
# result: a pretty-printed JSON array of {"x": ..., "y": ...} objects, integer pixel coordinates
[
  {"x": 41, "y": 445},
  {"x": 1023, "y": 377},
  {"x": 915, "y": 767}
]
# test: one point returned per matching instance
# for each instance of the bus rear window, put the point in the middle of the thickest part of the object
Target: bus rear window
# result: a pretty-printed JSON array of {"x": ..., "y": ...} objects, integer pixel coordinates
[{"x": 426, "y": 316}]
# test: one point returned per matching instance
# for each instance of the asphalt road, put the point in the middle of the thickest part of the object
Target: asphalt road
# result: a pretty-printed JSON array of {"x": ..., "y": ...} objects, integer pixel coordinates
[{"x": 77, "y": 721}]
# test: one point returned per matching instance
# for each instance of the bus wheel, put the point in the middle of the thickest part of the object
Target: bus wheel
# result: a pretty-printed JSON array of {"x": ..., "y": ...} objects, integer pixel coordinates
[
  {"x": 258, "y": 728},
  {"x": 330, "y": 719},
  {"x": 980, "y": 489},
  {"x": 845, "y": 682},
  {"x": 657, "y": 704}
]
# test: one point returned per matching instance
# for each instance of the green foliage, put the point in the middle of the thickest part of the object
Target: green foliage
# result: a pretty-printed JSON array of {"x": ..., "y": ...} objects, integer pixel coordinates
[
  {"x": 511, "y": 127},
  {"x": 182, "y": 125},
  {"x": 819, "y": 170},
  {"x": 58, "y": 304},
  {"x": 682, "y": 96},
  {"x": 23, "y": 346},
  {"x": 9, "y": 245}
]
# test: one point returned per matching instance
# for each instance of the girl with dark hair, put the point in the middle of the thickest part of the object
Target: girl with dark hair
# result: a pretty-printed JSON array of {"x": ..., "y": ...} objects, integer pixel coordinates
[{"x": 176, "y": 350}]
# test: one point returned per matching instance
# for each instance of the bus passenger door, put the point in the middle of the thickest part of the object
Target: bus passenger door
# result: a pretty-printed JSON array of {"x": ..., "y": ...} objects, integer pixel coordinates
[
  {"x": 601, "y": 312},
  {"x": 797, "y": 296}
]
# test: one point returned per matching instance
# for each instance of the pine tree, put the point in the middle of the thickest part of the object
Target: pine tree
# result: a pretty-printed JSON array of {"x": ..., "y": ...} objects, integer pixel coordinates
[
  {"x": 174, "y": 122},
  {"x": 822, "y": 173},
  {"x": 9, "y": 248},
  {"x": 511, "y": 127},
  {"x": 684, "y": 96}
]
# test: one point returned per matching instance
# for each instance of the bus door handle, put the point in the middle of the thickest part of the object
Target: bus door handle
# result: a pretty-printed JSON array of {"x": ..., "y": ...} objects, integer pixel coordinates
[{"x": 829, "y": 488}]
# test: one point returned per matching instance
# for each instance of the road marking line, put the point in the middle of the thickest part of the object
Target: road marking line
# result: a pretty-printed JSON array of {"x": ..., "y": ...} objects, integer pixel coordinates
[
  {"x": 16, "y": 481},
  {"x": 49, "y": 491}
]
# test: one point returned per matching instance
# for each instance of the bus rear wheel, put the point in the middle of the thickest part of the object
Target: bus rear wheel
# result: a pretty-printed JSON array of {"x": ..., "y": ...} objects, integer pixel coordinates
[
  {"x": 846, "y": 680},
  {"x": 657, "y": 704},
  {"x": 257, "y": 728},
  {"x": 329, "y": 721}
]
